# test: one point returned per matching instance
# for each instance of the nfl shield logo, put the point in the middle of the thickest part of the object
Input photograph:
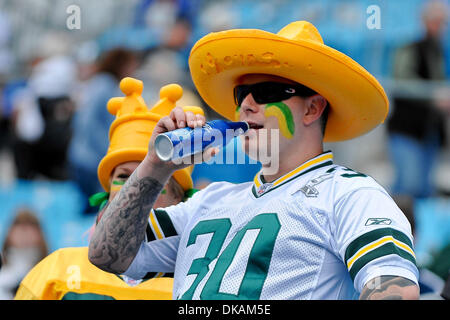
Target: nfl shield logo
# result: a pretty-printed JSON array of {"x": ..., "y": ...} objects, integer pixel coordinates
[{"x": 264, "y": 188}]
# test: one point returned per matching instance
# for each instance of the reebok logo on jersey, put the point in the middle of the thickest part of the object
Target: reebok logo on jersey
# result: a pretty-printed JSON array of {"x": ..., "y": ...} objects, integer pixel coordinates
[{"x": 378, "y": 221}]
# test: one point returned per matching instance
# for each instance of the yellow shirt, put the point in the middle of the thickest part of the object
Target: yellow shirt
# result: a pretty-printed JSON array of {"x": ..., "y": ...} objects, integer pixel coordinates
[{"x": 67, "y": 274}]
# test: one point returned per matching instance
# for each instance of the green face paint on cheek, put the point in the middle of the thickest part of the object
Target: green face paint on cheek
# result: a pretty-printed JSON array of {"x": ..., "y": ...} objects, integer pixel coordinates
[
  {"x": 117, "y": 185},
  {"x": 237, "y": 113},
  {"x": 284, "y": 115}
]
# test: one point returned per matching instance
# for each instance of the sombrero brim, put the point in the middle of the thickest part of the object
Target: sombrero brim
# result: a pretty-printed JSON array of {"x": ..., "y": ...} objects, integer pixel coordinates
[{"x": 357, "y": 100}]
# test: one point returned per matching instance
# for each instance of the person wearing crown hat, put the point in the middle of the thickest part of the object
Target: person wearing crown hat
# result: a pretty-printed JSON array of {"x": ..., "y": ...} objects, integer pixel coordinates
[
  {"x": 67, "y": 274},
  {"x": 130, "y": 133},
  {"x": 311, "y": 229}
]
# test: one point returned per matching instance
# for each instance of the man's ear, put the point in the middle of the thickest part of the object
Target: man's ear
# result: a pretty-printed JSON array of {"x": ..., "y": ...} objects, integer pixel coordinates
[{"x": 315, "y": 106}]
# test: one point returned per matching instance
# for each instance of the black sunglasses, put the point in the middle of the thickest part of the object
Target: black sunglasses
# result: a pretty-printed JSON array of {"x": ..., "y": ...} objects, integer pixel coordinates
[{"x": 267, "y": 92}]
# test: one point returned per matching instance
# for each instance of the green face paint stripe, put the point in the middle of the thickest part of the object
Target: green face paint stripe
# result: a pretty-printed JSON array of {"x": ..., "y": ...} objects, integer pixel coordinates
[
  {"x": 118, "y": 183},
  {"x": 286, "y": 113},
  {"x": 237, "y": 113},
  {"x": 163, "y": 191}
]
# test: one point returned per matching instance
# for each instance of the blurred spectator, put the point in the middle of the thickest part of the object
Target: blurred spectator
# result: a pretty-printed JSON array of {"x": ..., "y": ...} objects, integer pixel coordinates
[
  {"x": 4, "y": 127},
  {"x": 6, "y": 111},
  {"x": 440, "y": 262},
  {"x": 23, "y": 248},
  {"x": 416, "y": 127},
  {"x": 41, "y": 119},
  {"x": 156, "y": 14},
  {"x": 6, "y": 64},
  {"x": 218, "y": 16},
  {"x": 7, "y": 59},
  {"x": 92, "y": 120},
  {"x": 114, "y": 172},
  {"x": 168, "y": 63},
  {"x": 160, "y": 15},
  {"x": 178, "y": 39}
]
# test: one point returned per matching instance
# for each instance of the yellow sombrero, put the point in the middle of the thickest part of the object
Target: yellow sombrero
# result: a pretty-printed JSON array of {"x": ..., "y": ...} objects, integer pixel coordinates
[
  {"x": 357, "y": 101},
  {"x": 130, "y": 132}
]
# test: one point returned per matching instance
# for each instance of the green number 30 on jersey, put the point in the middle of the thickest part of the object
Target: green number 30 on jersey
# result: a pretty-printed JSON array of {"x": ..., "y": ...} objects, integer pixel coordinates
[{"x": 258, "y": 261}]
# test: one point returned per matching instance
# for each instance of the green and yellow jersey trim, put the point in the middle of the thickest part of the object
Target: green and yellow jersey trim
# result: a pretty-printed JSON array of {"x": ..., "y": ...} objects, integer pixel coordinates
[
  {"x": 376, "y": 244},
  {"x": 159, "y": 227},
  {"x": 322, "y": 160}
]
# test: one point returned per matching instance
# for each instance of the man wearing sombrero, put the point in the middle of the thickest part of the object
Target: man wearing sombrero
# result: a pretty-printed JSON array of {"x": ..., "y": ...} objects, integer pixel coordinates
[{"x": 312, "y": 230}]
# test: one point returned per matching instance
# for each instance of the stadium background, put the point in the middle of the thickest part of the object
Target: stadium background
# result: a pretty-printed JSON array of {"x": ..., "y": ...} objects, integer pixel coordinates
[{"x": 32, "y": 31}]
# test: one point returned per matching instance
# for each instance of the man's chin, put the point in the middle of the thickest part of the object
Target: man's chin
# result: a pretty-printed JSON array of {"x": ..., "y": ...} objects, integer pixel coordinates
[{"x": 263, "y": 149}]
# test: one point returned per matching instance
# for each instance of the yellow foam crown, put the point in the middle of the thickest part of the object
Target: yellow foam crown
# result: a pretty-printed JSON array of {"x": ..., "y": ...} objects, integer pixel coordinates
[{"x": 130, "y": 132}]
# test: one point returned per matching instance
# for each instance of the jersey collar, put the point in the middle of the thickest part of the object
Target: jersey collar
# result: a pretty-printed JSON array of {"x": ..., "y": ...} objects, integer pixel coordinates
[{"x": 261, "y": 187}]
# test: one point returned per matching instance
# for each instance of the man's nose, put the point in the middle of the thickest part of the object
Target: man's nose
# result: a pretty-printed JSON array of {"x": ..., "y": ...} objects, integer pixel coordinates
[{"x": 249, "y": 105}]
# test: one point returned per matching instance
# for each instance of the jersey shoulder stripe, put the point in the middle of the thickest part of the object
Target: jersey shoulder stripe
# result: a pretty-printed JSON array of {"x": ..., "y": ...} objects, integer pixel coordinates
[
  {"x": 375, "y": 244},
  {"x": 166, "y": 224},
  {"x": 159, "y": 225},
  {"x": 149, "y": 232}
]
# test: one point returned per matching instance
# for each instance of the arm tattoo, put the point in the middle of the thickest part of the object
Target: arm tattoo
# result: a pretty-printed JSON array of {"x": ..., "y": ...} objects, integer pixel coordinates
[
  {"x": 121, "y": 230},
  {"x": 388, "y": 288}
]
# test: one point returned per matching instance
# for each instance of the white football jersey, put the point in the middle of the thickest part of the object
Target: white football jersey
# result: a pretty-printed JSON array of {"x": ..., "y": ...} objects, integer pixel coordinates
[{"x": 321, "y": 231}]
